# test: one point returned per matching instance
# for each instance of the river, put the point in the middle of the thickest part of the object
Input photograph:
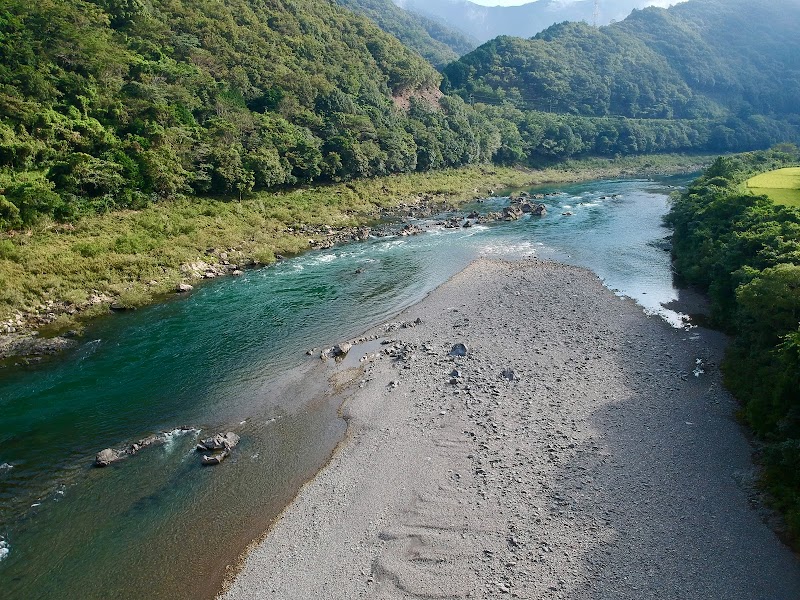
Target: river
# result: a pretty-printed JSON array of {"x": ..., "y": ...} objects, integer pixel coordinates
[{"x": 232, "y": 356}]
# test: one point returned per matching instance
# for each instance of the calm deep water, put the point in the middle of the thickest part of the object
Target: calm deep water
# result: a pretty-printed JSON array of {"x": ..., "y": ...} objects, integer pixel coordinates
[{"x": 231, "y": 356}]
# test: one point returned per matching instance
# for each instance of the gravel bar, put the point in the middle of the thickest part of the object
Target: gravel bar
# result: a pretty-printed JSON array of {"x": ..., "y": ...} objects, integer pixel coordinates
[{"x": 580, "y": 450}]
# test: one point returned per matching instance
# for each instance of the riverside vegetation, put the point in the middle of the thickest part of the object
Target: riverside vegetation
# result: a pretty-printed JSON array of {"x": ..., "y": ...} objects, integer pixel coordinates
[
  {"x": 744, "y": 251},
  {"x": 131, "y": 257}
]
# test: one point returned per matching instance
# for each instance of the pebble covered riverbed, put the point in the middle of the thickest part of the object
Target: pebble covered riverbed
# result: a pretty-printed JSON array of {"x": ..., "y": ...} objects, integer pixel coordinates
[{"x": 535, "y": 436}]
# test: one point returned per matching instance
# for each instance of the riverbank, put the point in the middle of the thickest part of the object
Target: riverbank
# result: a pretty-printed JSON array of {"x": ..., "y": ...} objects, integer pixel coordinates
[
  {"x": 56, "y": 277},
  {"x": 579, "y": 450}
]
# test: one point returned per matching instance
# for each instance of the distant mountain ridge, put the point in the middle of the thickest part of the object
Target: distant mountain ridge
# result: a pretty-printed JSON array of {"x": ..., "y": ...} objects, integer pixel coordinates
[
  {"x": 698, "y": 59},
  {"x": 488, "y": 22}
]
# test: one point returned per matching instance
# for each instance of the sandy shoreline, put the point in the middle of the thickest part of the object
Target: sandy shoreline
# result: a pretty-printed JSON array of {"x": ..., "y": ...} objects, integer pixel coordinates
[{"x": 571, "y": 454}]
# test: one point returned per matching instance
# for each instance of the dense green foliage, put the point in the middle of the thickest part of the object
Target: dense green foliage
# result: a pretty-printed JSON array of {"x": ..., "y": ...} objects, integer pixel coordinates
[
  {"x": 745, "y": 251},
  {"x": 433, "y": 40},
  {"x": 119, "y": 102},
  {"x": 539, "y": 137},
  {"x": 732, "y": 61}
]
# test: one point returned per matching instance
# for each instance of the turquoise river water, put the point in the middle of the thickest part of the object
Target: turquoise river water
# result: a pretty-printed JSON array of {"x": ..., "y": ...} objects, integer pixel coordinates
[{"x": 231, "y": 356}]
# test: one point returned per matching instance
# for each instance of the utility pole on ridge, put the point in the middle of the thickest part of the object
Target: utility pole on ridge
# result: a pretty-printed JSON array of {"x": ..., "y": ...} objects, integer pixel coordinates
[{"x": 596, "y": 15}]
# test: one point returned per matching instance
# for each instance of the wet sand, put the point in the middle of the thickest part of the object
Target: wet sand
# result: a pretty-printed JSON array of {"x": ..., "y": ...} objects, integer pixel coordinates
[{"x": 572, "y": 453}]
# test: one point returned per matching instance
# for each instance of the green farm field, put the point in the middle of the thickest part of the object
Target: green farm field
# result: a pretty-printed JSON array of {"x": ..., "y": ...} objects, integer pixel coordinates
[{"x": 782, "y": 186}]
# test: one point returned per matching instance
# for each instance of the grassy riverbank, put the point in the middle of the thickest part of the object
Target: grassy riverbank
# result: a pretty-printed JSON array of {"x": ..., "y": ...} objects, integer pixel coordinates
[{"x": 57, "y": 274}]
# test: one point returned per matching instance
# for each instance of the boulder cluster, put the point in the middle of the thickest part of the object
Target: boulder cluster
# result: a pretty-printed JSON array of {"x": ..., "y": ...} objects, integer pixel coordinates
[
  {"x": 111, "y": 455},
  {"x": 218, "y": 448},
  {"x": 214, "y": 449}
]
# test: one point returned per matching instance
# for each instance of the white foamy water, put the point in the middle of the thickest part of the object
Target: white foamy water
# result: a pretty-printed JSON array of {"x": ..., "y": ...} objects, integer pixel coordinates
[
  {"x": 4, "y": 549},
  {"x": 519, "y": 250},
  {"x": 171, "y": 436}
]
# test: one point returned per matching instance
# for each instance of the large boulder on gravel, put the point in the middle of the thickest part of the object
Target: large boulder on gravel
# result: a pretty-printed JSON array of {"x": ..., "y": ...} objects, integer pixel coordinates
[
  {"x": 459, "y": 350},
  {"x": 338, "y": 351}
]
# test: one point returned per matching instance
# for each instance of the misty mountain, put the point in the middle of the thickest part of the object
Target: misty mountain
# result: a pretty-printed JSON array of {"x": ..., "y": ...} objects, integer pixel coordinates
[
  {"x": 698, "y": 59},
  {"x": 487, "y": 22},
  {"x": 431, "y": 38}
]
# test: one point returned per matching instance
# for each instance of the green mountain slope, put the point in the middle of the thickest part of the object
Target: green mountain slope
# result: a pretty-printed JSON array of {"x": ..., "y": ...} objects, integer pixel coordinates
[
  {"x": 698, "y": 59},
  {"x": 434, "y": 41},
  {"x": 115, "y": 103},
  {"x": 119, "y": 103}
]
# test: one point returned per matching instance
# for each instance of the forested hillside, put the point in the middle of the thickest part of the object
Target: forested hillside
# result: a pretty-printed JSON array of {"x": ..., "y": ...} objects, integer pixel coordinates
[
  {"x": 432, "y": 39},
  {"x": 116, "y": 103},
  {"x": 744, "y": 251},
  {"x": 119, "y": 103},
  {"x": 698, "y": 59}
]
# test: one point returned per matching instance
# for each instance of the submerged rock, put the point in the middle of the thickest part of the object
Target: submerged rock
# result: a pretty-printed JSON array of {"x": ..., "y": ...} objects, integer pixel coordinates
[
  {"x": 214, "y": 459},
  {"x": 182, "y": 288},
  {"x": 145, "y": 442}
]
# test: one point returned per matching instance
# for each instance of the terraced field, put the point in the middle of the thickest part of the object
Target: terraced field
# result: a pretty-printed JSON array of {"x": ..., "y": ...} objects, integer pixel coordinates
[{"x": 782, "y": 186}]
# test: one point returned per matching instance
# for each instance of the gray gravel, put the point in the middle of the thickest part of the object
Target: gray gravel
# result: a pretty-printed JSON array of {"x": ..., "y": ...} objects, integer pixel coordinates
[{"x": 575, "y": 454}]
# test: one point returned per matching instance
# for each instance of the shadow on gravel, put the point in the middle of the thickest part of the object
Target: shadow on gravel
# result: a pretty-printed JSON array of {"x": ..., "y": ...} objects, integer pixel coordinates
[{"x": 667, "y": 485}]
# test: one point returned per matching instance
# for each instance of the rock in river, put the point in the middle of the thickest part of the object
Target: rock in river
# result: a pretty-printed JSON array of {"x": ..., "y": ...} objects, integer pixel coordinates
[
  {"x": 215, "y": 459},
  {"x": 219, "y": 442},
  {"x": 108, "y": 456}
]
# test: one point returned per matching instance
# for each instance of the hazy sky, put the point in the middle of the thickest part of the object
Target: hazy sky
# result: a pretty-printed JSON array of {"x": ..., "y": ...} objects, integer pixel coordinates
[{"x": 607, "y": 4}]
